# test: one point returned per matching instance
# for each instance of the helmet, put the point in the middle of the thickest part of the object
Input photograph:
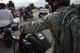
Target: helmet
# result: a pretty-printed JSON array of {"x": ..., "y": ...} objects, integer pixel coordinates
[
  {"x": 2, "y": 6},
  {"x": 16, "y": 20},
  {"x": 49, "y": 1},
  {"x": 63, "y": 2},
  {"x": 46, "y": 0},
  {"x": 76, "y": 2},
  {"x": 59, "y": 3}
]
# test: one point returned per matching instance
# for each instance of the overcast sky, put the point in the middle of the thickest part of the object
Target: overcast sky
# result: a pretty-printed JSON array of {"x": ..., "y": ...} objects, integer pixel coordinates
[{"x": 19, "y": 3}]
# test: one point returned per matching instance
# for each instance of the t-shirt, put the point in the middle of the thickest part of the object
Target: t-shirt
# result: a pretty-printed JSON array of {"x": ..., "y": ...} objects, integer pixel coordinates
[{"x": 5, "y": 17}]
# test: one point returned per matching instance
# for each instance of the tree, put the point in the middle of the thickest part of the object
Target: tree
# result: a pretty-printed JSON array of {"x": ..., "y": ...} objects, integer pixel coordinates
[
  {"x": 10, "y": 4},
  {"x": 20, "y": 9},
  {"x": 46, "y": 6},
  {"x": 36, "y": 7},
  {"x": 32, "y": 6}
]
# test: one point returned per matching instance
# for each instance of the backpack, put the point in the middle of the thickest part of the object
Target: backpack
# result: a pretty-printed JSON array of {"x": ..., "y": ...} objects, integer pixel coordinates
[{"x": 69, "y": 42}]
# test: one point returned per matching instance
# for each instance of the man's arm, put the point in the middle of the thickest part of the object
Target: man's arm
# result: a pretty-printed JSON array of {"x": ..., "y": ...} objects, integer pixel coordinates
[
  {"x": 41, "y": 24},
  {"x": 36, "y": 26},
  {"x": 11, "y": 17}
]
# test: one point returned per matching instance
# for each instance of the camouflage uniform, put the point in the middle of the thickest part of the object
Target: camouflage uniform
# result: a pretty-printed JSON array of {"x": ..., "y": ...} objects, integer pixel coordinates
[{"x": 52, "y": 22}]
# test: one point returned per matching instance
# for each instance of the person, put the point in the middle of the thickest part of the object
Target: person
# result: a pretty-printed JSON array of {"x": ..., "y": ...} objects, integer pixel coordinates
[
  {"x": 27, "y": 13},
  {"x": 42, "y": 11},
  {"x": 5, "y": 21},
  {"x": 55, "y": 22},
  {"x": 13, "y": 11},
  {"x": 27, "y": 9}
]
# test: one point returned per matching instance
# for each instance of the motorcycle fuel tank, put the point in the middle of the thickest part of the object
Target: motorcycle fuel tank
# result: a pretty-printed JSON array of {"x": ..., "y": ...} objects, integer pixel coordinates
[{"x": 39, "y": 41}]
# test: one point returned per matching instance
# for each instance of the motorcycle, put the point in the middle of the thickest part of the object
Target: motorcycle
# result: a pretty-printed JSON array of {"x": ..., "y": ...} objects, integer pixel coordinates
[
  {"x": 42, "y": 13},
  {"x": 32, "y": 43},
  {"x": 7, "y": 33},
  {"x": 6, "y": 37}
]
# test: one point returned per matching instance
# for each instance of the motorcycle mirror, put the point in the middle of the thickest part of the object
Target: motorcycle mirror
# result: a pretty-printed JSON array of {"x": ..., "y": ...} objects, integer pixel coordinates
[{"x": 16, "y": 20}]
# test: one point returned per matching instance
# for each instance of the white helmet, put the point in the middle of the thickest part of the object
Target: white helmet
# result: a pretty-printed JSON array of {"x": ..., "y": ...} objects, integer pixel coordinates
[
  {"x": 16, "y": 20},
  {"x": 75, "y": 2}
]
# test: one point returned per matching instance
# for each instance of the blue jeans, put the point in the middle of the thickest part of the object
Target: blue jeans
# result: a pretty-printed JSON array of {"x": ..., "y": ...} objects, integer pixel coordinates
[{"x": 7, "y": 29}]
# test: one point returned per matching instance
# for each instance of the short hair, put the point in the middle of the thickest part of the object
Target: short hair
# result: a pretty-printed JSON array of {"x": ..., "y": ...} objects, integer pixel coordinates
[{"x": 2, "y": 6}]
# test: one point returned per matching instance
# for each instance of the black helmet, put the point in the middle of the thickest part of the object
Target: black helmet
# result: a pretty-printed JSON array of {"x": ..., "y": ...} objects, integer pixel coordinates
[
  {"x": 65, "y": 2},
  {"x": 47, "y": 0},
  {"x": 2, "y": 6},
  {"x": 59, "y": 3},
  {"x": 62, "y": 1}
]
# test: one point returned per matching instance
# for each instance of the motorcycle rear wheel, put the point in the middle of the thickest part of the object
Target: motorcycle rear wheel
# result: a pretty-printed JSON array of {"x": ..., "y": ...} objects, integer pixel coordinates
[{"x": 9, "y": 41}]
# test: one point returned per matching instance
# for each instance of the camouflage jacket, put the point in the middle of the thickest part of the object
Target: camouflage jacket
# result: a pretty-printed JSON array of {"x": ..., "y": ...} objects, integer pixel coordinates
[{"x": 52, "y": 22}]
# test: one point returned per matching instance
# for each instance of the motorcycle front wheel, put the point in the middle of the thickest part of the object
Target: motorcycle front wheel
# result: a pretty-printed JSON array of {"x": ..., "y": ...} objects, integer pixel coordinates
[{"x": 15, "y": 46}]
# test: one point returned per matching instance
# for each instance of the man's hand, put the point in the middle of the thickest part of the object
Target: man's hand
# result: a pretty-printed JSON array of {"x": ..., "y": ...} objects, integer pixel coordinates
[{"x": 20, "y": 27}]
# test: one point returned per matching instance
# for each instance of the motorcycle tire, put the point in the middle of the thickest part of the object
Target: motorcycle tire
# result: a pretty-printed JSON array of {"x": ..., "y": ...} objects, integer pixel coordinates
[
  {"x": 23, "y": 49},
  {"x": 9, "y": 41},
  {"x": 15, "y": 46}
]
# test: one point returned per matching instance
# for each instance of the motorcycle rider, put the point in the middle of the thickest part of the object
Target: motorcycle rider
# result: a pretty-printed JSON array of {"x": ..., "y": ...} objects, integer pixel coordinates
[
  {"x": 53, "y": 22},
  {"x": 12, "y": 11},
  {"x": 42, "y": 11},
  {"x": 5, "y": 21},
  {"x": 26, "y": 11}
]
